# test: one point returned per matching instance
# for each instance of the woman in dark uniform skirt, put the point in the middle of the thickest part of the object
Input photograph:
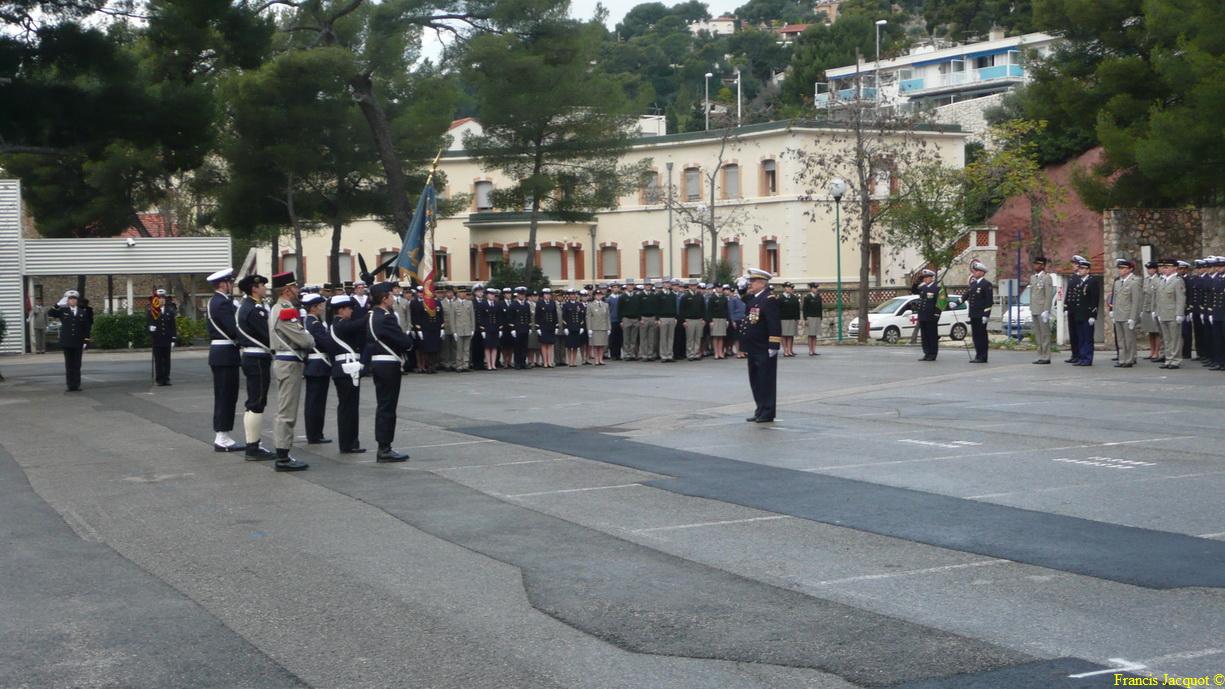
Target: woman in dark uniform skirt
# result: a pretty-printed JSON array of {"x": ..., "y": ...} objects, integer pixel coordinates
[
  {"x": 546, "y": 322},
  {"x": 572, "y": 317}
]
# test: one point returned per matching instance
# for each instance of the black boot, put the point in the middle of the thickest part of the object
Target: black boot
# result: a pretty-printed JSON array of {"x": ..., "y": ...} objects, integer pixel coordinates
[
  {"x": 286, "y": 463},
  {"x": 387, "y": 455},
  {"x": 255, "y": 453}
]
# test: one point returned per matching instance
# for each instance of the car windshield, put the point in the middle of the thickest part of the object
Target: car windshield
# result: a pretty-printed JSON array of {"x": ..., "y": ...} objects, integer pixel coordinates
[{"x": 891, "y": 305}]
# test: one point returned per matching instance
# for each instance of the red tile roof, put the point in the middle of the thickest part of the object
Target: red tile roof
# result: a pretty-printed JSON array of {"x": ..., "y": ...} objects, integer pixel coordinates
[
  {"x": 793, "y": 28},
  {"x": 155, "y": 223},
  {"x": 460, "y": 121}
]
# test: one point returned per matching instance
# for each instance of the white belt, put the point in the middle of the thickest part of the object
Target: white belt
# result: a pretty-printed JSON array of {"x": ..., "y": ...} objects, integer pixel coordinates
[
  {"x": 315, "y": 356},
  {"x": 254, "y": 350},
  {"x": 286, "y": 353},
  {"x": 221, "y": 342},
  {"x": 385, "y": 357}
]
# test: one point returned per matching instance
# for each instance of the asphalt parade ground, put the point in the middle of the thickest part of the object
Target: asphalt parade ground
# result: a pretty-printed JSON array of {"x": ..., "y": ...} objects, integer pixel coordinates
[{"x": 902, "y": 524}]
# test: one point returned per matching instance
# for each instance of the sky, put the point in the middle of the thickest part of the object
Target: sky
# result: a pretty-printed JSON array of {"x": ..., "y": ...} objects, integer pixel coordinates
[{"x": 585, "y": 9}]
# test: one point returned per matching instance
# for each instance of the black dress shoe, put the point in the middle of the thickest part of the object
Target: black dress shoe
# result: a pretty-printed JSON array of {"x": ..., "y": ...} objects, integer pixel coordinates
[
  {"x": 1070, "y": 361},
  {"x": 290, "y": 464},
  {"x": 1171, "y": 366},
  {"x": 319, "y": 441},
  {"x": 388, "y": 455},
  {"x": 1042, "y": 361},
  {"x": 978, "y": 361},
  {"x": 765, "y": 420},
  {"x": 1083, "y": 363},
  {"x": 751, "y": 419},
  {"x": 1159, "y": 360},
  {"x": 1118, "y": 365},
  {"x": 353, "y": 451},
  {"x": 1125, "y": 365},
  {"x": 255, "y": 453}
]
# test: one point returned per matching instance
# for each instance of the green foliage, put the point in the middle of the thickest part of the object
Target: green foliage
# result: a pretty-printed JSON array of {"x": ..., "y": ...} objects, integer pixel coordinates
[
  {"x": 962, "y": 19},
  {"x": 552, "y": 120},
  {"x": 719, "y": 273},
  {"x": 514, "y": 275},
  {"x": 929, "y": 212},
  {"x": 119, "y": 331},
  {"x": 189, "y": 330},
  {"x": 766, "y": 11}
]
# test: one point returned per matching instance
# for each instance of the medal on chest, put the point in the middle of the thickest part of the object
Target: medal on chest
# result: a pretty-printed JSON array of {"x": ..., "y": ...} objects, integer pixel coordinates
[{"x": 754, "y": 314}]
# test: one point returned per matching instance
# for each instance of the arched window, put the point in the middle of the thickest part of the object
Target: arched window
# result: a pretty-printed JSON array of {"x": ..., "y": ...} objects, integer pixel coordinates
[
  {"x": 518, "y": 256},
  {"x": 653, "y": 262},
  {"x": 610, "y": 262},
  {"x": 442, "y": 265},
  {"x": 550, "y": 262}
]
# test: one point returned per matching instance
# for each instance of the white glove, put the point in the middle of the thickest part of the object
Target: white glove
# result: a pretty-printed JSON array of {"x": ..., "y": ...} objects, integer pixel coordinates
[
  {"x": 1180, "y": 319},
  {"x": 153, "y": 328},
  {"x": 773, "y": 353},
  {"x": 62, "y": 302},
  {"x": 1131, "y": 324},
  {"x": 1210, "y": 321},
  {"x": 1154, "y": 315},
  {"x": 985, "y": 319},
  {"x": 172, "y": 343},
  {"x": 1092, "y": 321},
  {"x": 580, "y": 331},
  {"x": 513, "y": 334},
  {"x": 565, "y": 331},
  {"x": 419, "y": 335},
  {"x": 1046, "y": 316}
]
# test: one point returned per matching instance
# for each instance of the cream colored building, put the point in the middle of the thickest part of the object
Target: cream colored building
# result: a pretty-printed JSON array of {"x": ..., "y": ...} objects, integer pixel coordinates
[{"x": 787, "y": 224}]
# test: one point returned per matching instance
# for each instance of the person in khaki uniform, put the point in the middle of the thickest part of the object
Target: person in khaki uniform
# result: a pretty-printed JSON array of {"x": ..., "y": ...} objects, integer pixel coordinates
[
  {"x": 38, "y": 328},
  {"x": 1149, "y": 324},
  {"x": 1128, "y": 298},
  {"x": 599, "y": 323},
  {"x": 1169, "y": 310},
  {"x": 666, "y": 310},
  {"x": 460, "y": 327},
  {"x": 693, "y": 313},
  {"x": 1041, "y": 300},
  {"x": 446, "y": 357},
  {"x": 291, "y": 345}
]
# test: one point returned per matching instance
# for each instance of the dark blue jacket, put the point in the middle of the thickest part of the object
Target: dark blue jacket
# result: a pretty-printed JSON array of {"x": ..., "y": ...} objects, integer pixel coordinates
[
  {"x": 220, "y": 317},
  {"x": 74, "y": 327},
  {"x": 763, "y": 328},
  {"x": 252, "y": 324},
  {"x": 929, "y": 295},
  {"x": 980, "y": 297},
  {"x": 315, "y": 366},
  {"x": 383, "y": 327},
  {"x": 351, "y": 331},
  {"x": 164, "y": 328}
]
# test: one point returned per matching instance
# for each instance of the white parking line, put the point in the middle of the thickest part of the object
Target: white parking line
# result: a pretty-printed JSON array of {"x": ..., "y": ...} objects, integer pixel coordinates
[
  {"x": 697, "y": 525},
  {"x": 570, "y": 490},
  {"x": 503, "y": 464},
  {"x": 912, "y": 572},
  {"x": 462, "y": 442},
  {"x": 1002, "y": 452}
]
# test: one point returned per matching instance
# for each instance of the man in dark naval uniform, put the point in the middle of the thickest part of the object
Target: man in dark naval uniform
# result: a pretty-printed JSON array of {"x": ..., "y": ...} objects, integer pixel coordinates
[
  {"x": 386, "y": 346},
  {"x": 318, "y": 370},
  {"x": 75, "y": 324},
  {"x": 348, "y": 338},
  {"x": 979, "y": 296},
  {"x": 162, "y": 331},
  {"x": 928, "y": 315},
  {"x": 1082, "y": 311},
  {"x": 760, "y": 340},
  {"x": 223, "y": 358},
  {"x": 253, "y": 337}
]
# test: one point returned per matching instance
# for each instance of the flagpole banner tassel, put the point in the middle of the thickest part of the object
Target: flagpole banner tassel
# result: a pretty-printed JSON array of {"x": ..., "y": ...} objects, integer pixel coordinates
[{"x": 417, "y": 255}]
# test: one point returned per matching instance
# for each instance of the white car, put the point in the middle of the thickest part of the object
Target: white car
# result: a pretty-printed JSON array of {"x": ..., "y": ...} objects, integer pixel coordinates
[{"x": 897, "y": 318}]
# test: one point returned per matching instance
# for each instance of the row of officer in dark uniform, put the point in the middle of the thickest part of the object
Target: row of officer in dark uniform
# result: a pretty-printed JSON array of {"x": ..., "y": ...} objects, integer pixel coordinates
[{"x": 979, "y": 297}]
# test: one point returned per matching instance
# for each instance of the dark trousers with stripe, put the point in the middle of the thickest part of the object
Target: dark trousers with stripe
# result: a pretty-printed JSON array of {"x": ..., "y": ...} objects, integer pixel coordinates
[
  {"x": 387, "y": 396},
  {"x": 348, "y": 396},
  {"x": 72, "y": 367},
  {"x": 315, "y": 408},
  {"x": 978, "y": 331},
  {"x": 1187, "y": 333},
  {"x": 763, "y": 380},
  {"x": 161, "y": 364},
  {"x": 929, "y": 336},
  {"x": 1084, "y": 341},
  {"x": 225, "y": 397}
]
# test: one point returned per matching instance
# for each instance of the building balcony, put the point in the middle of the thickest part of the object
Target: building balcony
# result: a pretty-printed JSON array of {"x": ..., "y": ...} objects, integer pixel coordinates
[
  {"x": 998, "y": 75},
  {"x": 845, "y": 96}
]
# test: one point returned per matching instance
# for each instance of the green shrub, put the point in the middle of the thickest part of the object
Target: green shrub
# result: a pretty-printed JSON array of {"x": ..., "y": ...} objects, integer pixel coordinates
[
  {"x": 120, "y": 331},
  {"x": 189, "y": 330},
  {"x": 514, "y": 275}
]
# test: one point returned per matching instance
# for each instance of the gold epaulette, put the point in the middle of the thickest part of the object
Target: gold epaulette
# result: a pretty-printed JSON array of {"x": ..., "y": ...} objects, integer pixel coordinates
[
  {"x": 771, "y": 296},
  {"x": 776, "y": 339}
]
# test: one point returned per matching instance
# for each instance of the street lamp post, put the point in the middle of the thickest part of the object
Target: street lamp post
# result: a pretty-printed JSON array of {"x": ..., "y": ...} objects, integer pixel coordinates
[
  {"x": 876, "y": 76},
  {"x": 669, "y": 165},
  {"x": 837, "y": 188},
  {"x": 708, "y": 76},
  {"x": 737, "y": 97}
]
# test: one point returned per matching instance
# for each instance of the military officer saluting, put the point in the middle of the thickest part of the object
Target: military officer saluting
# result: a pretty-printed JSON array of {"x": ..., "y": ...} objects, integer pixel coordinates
[
  {"x": 162, "y": 331},
  {"x": 1125, "y": 312},
  {"x": 928, "y": 313},
  {"x": 75, "y": 324},
  {"x": 760, "y": 340},
  {"x": 223, "y": 358},
  {"x": 979, "y": 297},
  {"x": 253, "y": 337},
  {"x": 1041, "y": 300},
  {"x": 386, "y": 347}
]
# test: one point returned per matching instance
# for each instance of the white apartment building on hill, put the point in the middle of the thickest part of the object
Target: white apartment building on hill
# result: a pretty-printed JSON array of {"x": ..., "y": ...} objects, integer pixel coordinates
[
  {"x": 788, "y": 228},
  {"x": 929, "y": 78}
]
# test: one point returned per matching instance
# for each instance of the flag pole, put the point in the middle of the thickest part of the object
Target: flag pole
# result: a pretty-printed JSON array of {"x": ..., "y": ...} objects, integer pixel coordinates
[{"x": 428, "y": 180}]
